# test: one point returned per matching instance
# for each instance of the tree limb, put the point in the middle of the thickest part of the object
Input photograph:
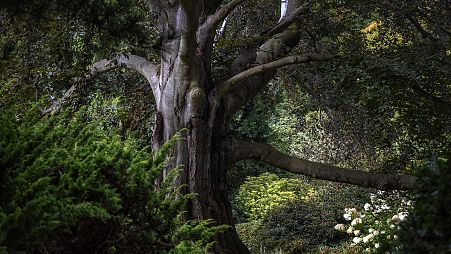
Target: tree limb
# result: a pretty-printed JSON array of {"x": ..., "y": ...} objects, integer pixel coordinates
[
  {"x": 289, "y": 60},
  {"x": 289, "y": 19},
  {"x": 285, "y": 22},
  {"x": 209, "y": 26},
  {"x": 122, "y": 60},
  {"x": 268, "y": 154}
]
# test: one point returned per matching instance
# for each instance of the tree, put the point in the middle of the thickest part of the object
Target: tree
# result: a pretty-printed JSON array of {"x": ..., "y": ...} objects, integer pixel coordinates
[{"x": 190, "y": 95}]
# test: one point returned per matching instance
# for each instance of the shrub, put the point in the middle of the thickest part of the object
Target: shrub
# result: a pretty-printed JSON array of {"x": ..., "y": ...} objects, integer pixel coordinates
[
  {"x": 290, "y": 215},
  {"x": 69, "y": 183},
  {"x": 375, "y": 228},
  {"x": 261, "y": 195},
  {"x": 297, "y": 228},
  {"x": 428, "y": 227}
]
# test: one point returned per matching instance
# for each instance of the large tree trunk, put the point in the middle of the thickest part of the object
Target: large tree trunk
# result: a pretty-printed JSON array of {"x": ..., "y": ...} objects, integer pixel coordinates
[
  {"x": 203, "y": 152},
  {"x": 186, "y": 101}
]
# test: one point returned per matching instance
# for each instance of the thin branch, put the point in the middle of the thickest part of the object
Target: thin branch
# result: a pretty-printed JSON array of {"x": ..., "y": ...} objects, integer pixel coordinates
[
  {"x": 56, "y": 106},
  {"x": 123, "y": 60},
  {"x": 425, "y": 34},
  {"x": 289, "y": 60},
  {"x": 268, "y": 154}
]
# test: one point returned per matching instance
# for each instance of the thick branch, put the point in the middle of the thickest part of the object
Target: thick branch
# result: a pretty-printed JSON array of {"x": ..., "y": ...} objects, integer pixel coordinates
[
  {"x": 248, "y": 55},
  {"x": 137, "y": 63},
  {"x": 268, "y": 154},
  {"x": 213, "y": 21},
  {"x": 208, "y": 28},
  {"x": 289, "y": 19},
  {"x": 140, "y": 64},
  {"x": 289, "y": 60}
]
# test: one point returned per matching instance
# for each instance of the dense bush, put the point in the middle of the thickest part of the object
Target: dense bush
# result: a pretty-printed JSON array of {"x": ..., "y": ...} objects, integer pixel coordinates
[
  {"x": 297, "y": 228},
  {"x": 428, "y": 227},
  {"x": 293, "y": 215},
  {"x": 261, "y": 195},
  {"x": 69, "y": 183}
]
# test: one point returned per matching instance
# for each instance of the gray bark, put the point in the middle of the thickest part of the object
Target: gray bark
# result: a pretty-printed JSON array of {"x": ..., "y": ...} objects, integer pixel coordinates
[{"x": 268, "y": 154}]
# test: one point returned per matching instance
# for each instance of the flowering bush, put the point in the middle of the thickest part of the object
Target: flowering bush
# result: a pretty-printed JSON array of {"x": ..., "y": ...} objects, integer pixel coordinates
[{"x": 376, "y": 226}]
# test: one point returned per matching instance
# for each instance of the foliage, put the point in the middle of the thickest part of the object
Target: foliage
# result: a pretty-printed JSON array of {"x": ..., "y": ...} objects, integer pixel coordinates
[
  {"x": 70, "y": 183},
  {"x": 289, "y": 214},
  {"x": 376, "y": 227},
  {"x": 428, "y": 227},
  {"x": 43, "y": 53},
  {"x": 261, "y": 195},
  {"x": 295, "y": 228}
]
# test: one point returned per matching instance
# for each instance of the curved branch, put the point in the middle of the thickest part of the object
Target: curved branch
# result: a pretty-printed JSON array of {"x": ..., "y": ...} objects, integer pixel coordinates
[
  {"x": 137, "y": 63},
  {"x": 241, "y": 61},
  {"x": 208, "y": 28},
  {"x": 289, "y": 19},
  {"x": 213, "y": 21},
  {"x": 289, "y": 60},
  {"x": 268, "y": 154}
]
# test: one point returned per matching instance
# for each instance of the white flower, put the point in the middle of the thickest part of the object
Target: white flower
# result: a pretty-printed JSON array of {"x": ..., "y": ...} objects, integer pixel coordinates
[
  {"x": 368, "y": 238},
  {"x": 392, "y": 226},
  {"x": 395, "y": 237},
  {"x": 373, "y": 198},
  {"x": 396, "y": 218},
  {"x": 402, "y": 216},
  {"x": 367, "y": 207},
  {"x": 376, "y": 245},
  {"x": 367, "y": 249},
  {"x": 350, "y": 230},
  {"x": 383, "y": 232},
  {"x": 356, "y": 221},
  {"x": 371, "y": 230},
  {"x": 376, "y": 232},
  {"x": 357, "y": 240},
  {"x": 356, "y": 232},
  {"x": 389, "y": 237},
  {"x": 340, "y": 227},
  {"x": 347, "y": 216}
]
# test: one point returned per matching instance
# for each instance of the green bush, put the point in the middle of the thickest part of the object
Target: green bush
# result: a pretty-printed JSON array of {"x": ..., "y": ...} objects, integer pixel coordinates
[
  {"x": 298, "y": 228},
  {"x": 289, "y": 215},
  {"x": 263, "y": 194},
  {"x": 428, "y": 227},
  {"x": 70, "y": 183}
]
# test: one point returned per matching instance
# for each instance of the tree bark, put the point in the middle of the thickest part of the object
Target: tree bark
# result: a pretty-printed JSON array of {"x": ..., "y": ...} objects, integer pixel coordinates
[{"x": 268, "y": 154}]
